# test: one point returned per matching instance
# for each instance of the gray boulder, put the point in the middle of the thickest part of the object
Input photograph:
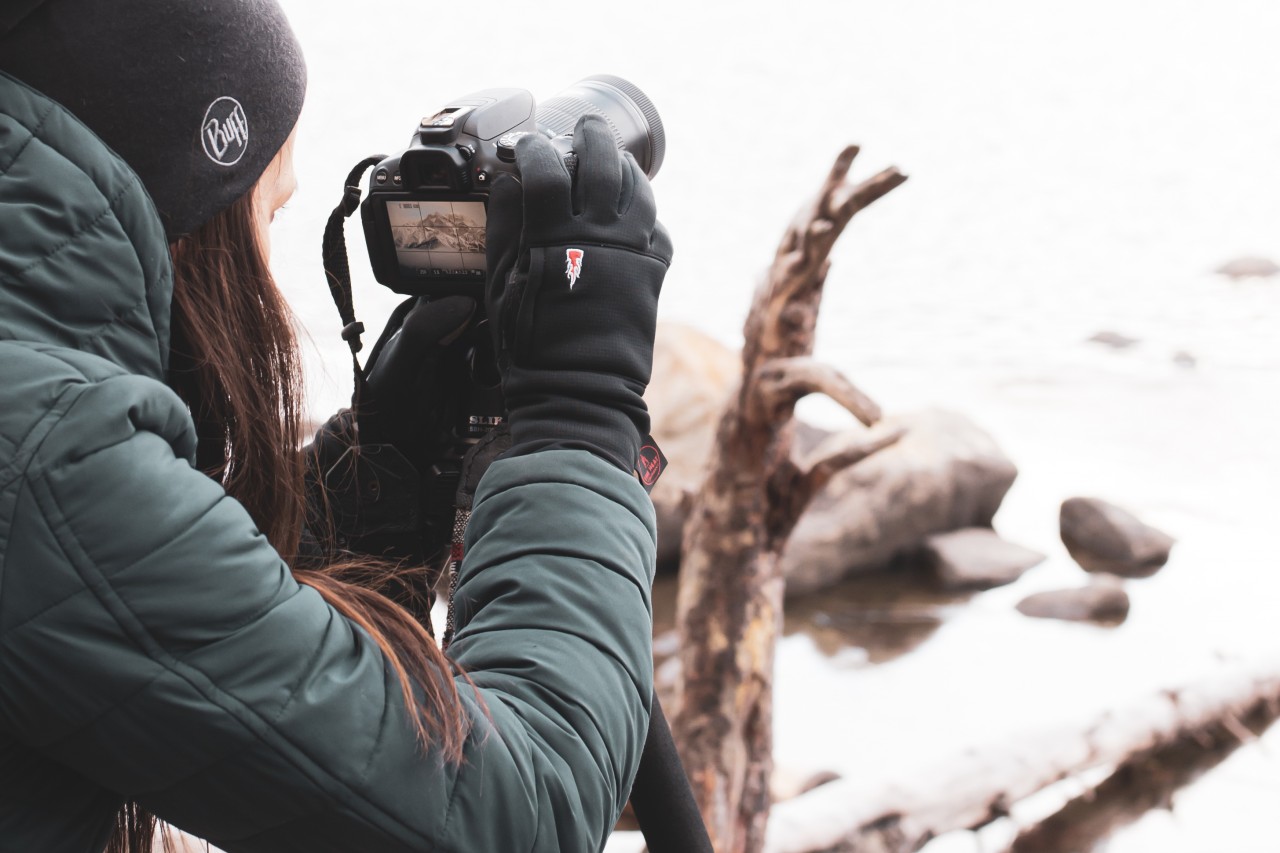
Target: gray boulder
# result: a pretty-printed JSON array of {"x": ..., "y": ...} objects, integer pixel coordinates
[
  {"x": 1104, "y": 600},
  {"x": 976, "y": 558},
  {"x": 944, "y": 474},
  {"x": 1102, "y": 537}
]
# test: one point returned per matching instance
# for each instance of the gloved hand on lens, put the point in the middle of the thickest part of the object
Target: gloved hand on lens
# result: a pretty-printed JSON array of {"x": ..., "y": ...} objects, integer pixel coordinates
[{"x": 575, "y": 268}]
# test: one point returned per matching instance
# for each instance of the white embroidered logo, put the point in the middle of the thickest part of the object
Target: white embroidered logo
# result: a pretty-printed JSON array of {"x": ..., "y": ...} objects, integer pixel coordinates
[
  {"x": 573, "y": 265},
  {"x": 225, "y": 132}
]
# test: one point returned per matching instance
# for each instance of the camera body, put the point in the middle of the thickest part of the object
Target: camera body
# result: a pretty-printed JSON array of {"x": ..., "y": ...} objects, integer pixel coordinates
[
  {"x": 425, "y": 213},
  {"x": 424, "y": 217}
]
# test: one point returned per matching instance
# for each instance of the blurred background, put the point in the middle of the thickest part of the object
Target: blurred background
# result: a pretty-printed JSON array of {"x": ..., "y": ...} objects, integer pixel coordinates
[{"x": 1075, "y": 169}]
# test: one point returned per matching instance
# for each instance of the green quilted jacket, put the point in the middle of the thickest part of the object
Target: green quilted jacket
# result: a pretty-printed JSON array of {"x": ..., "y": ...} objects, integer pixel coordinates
[{"x": 153, "y": 646}]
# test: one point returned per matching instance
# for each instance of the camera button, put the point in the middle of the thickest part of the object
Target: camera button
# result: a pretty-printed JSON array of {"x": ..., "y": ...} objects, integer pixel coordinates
[{"x": 381, "y": 176}]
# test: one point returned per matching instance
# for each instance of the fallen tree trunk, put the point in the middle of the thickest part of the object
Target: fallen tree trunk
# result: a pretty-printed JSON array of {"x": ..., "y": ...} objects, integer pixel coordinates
[
  {"x": 729, "y": 608},
  {"x": 886, "y": 815},
  {"x": 1146, "y": 781}
]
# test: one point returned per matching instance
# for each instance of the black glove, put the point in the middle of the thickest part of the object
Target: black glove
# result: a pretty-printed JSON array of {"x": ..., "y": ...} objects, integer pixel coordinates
[
  {"x": 575, "y": 268},
  {"x": 372, "y": 483},
  {"x": 415, "y": 379}
]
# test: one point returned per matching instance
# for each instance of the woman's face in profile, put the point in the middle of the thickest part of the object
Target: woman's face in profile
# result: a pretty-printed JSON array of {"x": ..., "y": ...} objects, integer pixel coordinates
[{"x": 273, "y": 189}]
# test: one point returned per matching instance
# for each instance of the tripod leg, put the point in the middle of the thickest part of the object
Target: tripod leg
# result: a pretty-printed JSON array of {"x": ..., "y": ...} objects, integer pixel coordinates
[{"x": 661, "y": 797}]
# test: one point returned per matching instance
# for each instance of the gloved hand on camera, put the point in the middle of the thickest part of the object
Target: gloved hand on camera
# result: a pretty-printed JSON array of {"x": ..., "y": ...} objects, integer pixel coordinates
[
  {"x": 370, "y": 468},
  {"x": 575, "y": 268},
  {"x": 415, "y": 379}
]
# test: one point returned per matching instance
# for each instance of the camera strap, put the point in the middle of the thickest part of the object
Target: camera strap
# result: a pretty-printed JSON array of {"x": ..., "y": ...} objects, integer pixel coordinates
[{"x": 337, "y": 269}]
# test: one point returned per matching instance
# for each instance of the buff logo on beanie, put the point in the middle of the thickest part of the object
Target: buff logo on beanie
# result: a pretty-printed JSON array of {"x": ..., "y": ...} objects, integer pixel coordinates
[{"x": 225, "y": 132}]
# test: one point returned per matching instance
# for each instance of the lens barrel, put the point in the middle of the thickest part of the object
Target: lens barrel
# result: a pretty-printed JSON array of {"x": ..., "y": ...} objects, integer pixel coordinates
[{"x": 628, "y": 112}]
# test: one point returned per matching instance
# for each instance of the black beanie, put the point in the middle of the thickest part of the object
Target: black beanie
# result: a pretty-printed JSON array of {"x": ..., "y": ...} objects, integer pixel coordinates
[{"x": 197, "y": 96}]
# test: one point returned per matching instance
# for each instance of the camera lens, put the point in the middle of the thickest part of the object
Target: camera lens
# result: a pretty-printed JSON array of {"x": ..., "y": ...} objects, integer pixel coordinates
[{"x": 628, "y": 111}]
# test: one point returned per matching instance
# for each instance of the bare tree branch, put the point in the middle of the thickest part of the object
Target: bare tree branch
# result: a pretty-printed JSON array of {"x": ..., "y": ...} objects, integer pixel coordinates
[
  {"x": 794, "y": 486},
  {"x": 829, "y": 459},
  {"x": 731, "y": 587},
  {"x": 783, "y": 382},
  {"x": 847, "y": 201}
]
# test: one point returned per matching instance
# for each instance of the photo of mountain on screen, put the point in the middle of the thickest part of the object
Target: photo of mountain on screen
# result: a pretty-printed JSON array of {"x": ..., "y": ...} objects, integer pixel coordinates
[{"x": 439, "y": 238}]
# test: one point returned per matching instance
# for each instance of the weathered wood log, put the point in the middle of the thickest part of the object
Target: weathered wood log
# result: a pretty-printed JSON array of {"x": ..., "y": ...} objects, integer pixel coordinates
[
  {"x": 877, "y": 812},
  {"x": 729, "y": 608},
  {"x": 1146, "y": 781}
]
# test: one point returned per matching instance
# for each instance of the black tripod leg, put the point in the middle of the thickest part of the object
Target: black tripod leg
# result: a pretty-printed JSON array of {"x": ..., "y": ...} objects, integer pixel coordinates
[{"x": 661, "y": 797}]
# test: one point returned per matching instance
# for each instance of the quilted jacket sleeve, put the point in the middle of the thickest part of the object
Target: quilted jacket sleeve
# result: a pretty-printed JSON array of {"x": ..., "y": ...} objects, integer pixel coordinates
[{"x": 164, "y": 651}]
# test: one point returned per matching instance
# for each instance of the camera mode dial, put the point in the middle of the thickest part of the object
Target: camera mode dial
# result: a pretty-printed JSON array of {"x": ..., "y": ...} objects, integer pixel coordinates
[{"x": 507, "y": 145}]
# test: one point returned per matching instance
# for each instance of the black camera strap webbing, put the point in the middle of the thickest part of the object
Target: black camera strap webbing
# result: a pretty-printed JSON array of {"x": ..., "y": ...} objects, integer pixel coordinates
[{"x": 337, "y": 269}]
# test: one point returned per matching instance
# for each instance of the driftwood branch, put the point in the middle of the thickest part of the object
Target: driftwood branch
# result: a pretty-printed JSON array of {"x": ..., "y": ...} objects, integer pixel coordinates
[
  {"x": 794, "y": 485},
  {"x": 783, "y": 382},
  {"x": 829, "y": 459},
  {"x": 847, "y": 201},
  {"x": 729, "y": 608},
  {"x": 785, "y": 310},
  {"x": 879, "y": 813}
]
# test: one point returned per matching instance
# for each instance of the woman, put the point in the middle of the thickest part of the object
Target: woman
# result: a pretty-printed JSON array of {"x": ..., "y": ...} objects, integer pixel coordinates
[{"x": 155, "y": 647}]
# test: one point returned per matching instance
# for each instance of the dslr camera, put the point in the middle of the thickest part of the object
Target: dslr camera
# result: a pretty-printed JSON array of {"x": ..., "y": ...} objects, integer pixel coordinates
[{"x": 424, "y": 215}]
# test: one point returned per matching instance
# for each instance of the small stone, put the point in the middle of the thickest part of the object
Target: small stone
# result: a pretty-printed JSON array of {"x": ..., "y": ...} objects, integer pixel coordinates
[
  {"x": 1249, "y": 267},
  {"x": 1102, "y": 537},
  {"x": 1184, "y": 359},
  {"x": 976, "y": 558},
  {"x": 1115, "y": 340},
  {"x": 1102, "y": 601}
]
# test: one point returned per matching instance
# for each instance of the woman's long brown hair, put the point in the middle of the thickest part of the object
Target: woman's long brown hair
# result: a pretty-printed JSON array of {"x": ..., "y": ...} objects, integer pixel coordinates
[{"x": 234, "y": 361}]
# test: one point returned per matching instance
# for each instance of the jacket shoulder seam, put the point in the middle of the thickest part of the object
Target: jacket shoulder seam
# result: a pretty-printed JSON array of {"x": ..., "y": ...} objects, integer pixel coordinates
[
  {"x": 26, "y": 448},
  {"x": 111, "y": 201},
  {"x": 32, "y": 135}
]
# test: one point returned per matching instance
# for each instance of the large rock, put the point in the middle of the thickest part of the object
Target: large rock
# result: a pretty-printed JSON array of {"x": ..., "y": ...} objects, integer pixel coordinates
[
  {"x": 1102, "y": 537},
  {"x": 944, "y": 474},
  {"x": 1104, "y": 600},
  {"x": 693, "y": 375},
  {"x": 976, "y": 558}
]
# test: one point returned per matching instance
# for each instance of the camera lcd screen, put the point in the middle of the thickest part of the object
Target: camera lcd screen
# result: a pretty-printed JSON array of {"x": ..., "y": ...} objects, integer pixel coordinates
[{"x": 438, "y": 239}]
